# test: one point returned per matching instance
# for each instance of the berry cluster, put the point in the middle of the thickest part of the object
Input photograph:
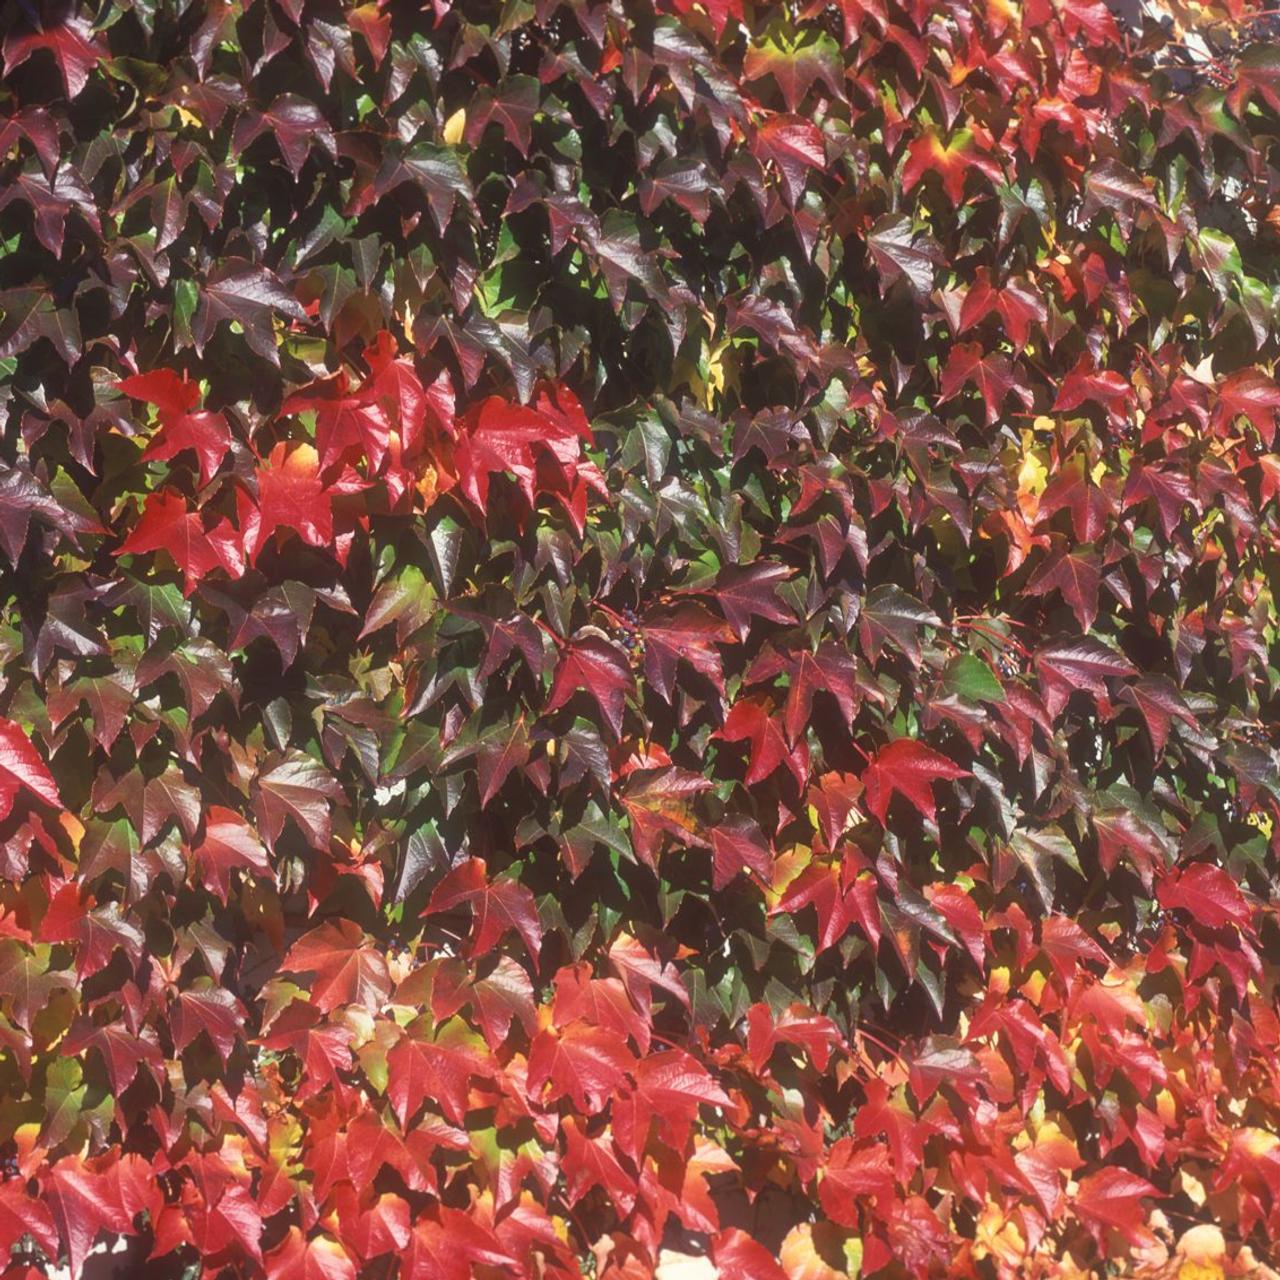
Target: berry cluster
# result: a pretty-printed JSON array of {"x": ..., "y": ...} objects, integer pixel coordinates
[{"x": 628, "y": 634}]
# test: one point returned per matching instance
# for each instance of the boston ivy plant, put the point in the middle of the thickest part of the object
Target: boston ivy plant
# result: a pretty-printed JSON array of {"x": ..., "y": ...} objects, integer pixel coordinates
[{"x": 638, "y": 638}]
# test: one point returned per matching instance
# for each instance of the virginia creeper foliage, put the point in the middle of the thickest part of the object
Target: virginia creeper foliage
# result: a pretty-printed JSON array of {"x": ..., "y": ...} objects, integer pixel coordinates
[{"x": 638, "y": 639}]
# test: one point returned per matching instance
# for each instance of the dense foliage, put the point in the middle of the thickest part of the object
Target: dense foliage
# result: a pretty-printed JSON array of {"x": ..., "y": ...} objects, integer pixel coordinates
[{"x": 639, "y": 638}]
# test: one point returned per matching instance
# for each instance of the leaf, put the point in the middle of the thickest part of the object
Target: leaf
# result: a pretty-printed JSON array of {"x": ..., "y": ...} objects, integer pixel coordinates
[
  {"x": 1068, "y": 666},
  {"x": 205, "y": 434},
  {"x": 795, "y": 146},
  {"x": 438, "y": 1070},
  {"x": 1160, "y": 704},
  {"x": 661, "y": 802},
  {"x": 583, "y": 1063},
  {"x": 738, "y": 844},
  {"x": 167, "y": 525},
  {"x": 22, "y": 769},
  {"x": 299, "y": 1257},
  {"x": 908, "y": 768},
  {"x": 752, "y": 720},
  {"x": 291, "y": 495},
  {"x": 212, "y": 1010},
  {"x": 71, "y": 42},
  {"x": 598, "y": 668},
  {"x": 1038, "y": 850},
  {"x": 891, "y": 615},
  {"x": 498, "y": 906},
  {"x": 435, "y": 171},
  {"x": 293, "y": 123},
  {"x": 229, "y": 842},
  {"x": 291, "y": 785},
  {"x": 22, "y": 496},
  {"x": 81, "y": 1201},
  {"x": 1112, "y": 1198},
  {"x": 669, "y": 1089},
  {"x": 346, "y": 969},
  {"x": 737, "y": 1254},
  {"x": 967, "y": 676},
  {"x": 641, "y": 971},
  {"x": 951, "y": 161},
  {"x": 796, "y": 1025},
  {"x": 689, "y": 634},
  {"x": 839, "y": 897},
  {"x": 512, "y": 109},
  {"x": 1075, "y": 578},
  {"x": 747, "y": 592},
  {"x": 796, "y": 67},
  {"x": 591, "y": 1162},
  {"x": 900, "y": 254},
  {"x": 28, "y": 980},
  {"x": 1208, "y": 895},
  {"x": 349, "y": 422},
  {"x": 250, "y": 295},
  {"x": 992, "y": 375}
]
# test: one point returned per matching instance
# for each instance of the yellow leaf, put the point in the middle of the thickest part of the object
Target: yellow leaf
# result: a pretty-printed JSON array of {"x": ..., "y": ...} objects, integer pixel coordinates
[
  {"x": 1202, "y": 1250},
  {"x": 1033, "y": 474},
  {"x": 455, "y": 127}
]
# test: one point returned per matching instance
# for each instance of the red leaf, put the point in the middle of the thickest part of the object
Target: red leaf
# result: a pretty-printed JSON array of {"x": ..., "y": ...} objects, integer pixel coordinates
[
  {"x": 598, "y": 668},
  {"x": 1076, "y": 579},
  {"x": 347, "y": 969},
  {"x": 1086, "y": 384},
  {"x": 592, "y": 1162},
  {"x": 752, "y": 720},
  {"x": 437, "y": 1070},
  {"x": 82, "y": 1201},
  {"x": 583, "y": 1063},
  {"x": 349, "y": 424},
  {"x": 689, "y": 634},
  {"x": 213, "y": 1010},
  {"x": 1072, "y": 666},
  {"x": 1160, "y": 704},
  {"x": 206, "y": 434},
  {"x": 669, "y": 1089},
  {"x": 317, "y": 1258},
  {"x": 910, "y": 768},
  {"x": 291, "y": 495},
  {"x": 167, "y": 525},
  {"x": 323, "y": 1050},
  {"x": 852, "y": 1174},
  {"x": 1208, "y": 894},
  {"x": 497, "y": 907},
  {"x": 793, "y": 144},
  {"x": 658, "y": 802},
  {"x": 600, "y": 1001},
  {"x": 992, "y": 375},
  {"x": 229, "y": 842},
  {"x": 1251, "y": 394},
  {"x": 21, "y": 1214},
  {"x": 797, "y": 1025},
  {"x": 541, "y": 446},
  {"x": 1113, "y": 1198},
  {"x": 293, "y": 123},
  {"x": 951, "y": 161},
  {"x": 839, "y": 896},
  {"x": 736, "y": 1254},
  {"x": 640, "y": 972},
  {"x": 22, "y": 769}
]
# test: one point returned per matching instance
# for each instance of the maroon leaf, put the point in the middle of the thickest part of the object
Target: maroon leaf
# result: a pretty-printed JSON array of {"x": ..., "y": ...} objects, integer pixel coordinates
[{"x": 596, "y": 667}]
